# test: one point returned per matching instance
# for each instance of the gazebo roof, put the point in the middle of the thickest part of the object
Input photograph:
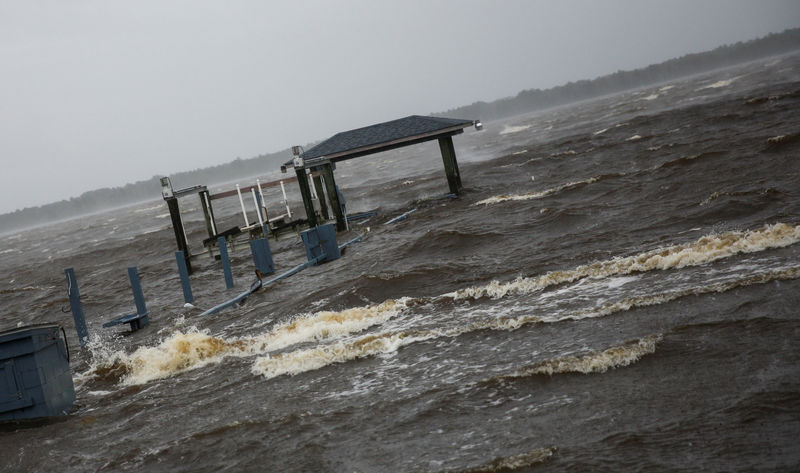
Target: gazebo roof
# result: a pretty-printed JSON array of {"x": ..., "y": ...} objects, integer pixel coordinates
[{"x": 383, "y": 137}]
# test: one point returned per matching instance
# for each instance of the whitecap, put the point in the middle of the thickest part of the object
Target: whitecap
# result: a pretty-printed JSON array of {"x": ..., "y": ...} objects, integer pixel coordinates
[
  {"x": 718, "y": 84},
  {"x": 509, "y": 129}
]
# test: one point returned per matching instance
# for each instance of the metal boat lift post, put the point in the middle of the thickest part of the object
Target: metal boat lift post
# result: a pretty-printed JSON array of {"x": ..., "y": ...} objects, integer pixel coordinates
[{"x": 171, "y": 197}]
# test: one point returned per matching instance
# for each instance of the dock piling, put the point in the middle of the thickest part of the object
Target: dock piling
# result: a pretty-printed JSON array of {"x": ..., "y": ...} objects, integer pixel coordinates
[
  {"x": 177, "y": 226},
  {"x": 76, "y": 307},
  {"x": 222, "y": 245},
  {"x": 184, "y": 273},
  {"x": 333, "y": 196},
  {"x": 138, "y": 295},
  {"x": 262, "y": 256},
  {"x": 285, "y": 200},
  {"x": 450, "y": 164},
  {"x": 305, "y": 191},
  {"x": 323, "y": 206},
  {"x": 208, "y": 214}
]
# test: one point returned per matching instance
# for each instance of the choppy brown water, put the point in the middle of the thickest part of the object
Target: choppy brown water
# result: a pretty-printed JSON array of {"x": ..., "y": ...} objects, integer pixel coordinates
[{"x": 616, "y": 290}]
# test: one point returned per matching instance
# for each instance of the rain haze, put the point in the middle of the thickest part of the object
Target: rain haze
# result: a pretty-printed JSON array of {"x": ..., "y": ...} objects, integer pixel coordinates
[{"x": 100, "y": 94}]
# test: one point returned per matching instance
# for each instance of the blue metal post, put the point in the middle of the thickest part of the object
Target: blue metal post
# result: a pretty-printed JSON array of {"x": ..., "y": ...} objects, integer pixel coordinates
[
  {"x": 184, "y": 273},
  {"x": 138, "y": 295},
  {"x": 262, "y": 257},
  {"x": 76, "y": 306},
  {"x": 222, "y": 245}
]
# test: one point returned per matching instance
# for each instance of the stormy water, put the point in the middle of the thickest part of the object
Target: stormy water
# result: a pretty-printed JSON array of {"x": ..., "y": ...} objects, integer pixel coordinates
[{"x": 616, "y": 289}]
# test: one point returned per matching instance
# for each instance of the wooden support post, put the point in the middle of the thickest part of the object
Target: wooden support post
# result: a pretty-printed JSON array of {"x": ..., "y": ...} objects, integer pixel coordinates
[
  {"x": 323, "y": 206},
  {"x": 180, "y": 233},
  {"x": 208, "y": 213},
  {"x": 305, "y": 191},
  {"x": 450, "y": 164},
  {"x": 330, "y": 187}
]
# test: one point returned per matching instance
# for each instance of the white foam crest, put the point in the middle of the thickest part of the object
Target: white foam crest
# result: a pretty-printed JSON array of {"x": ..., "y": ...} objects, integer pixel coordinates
[
  {"x": 704, "y": 250},
  {"x": 718, "y": 84},
  {"x": 600, "y": 132},
  {"x": 327, "y": 324},
  {"x": 508, "y": 323},
  {"x": 183, "y": 351},
  {"x": 533, "y": 195},
  {"x": 300, "y": 361},
  {"x": 191, "y": 349},
  {"x": 597, "y": 362},
  {"x": 634, "y": 138},
  {"x": 517, "y": 462},
  {"x": 509, "y": 129},
  {"x": 778, "y": 139},
  {"x": 340, "y": 351},
  {"x": 569, "y": 152},
  {"x": 147, "y": 209},
  {"x": 650, "y": 97}
]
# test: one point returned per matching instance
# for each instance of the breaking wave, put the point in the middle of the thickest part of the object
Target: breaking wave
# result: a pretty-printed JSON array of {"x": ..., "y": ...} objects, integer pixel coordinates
[
  {"x": 704, "y": 250},
  {"x": 571, "y": 185},
  {"x": 509, "y": 129},
  {"x": 596, "y": 362},
  {"x": 300, "y": 361},
  {"x": 182, "y": 351},
  {"x": 536, "y": 195},
  {"x": 718, "y": 84},
  {"x": 24, "y": 289},
  {"x": 512, "y": 463},
  {"x": 186, "y": 350},
  {"x": 781, "y": 141}
]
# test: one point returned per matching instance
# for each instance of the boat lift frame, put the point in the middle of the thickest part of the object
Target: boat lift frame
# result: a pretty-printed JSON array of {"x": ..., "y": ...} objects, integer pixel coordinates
[{"x": 262, "y": 223}]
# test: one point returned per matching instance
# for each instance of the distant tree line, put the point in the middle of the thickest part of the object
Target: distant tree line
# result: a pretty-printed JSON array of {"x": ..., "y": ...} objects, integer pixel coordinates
[
  {"x": 535, "y": 99},
  {"x": 110, "y": 197},
  {"x": 526, "y": 101}
]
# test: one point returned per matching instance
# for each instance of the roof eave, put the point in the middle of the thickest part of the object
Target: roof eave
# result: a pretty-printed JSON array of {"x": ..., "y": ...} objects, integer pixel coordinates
[{"x": 375, "y": 148}]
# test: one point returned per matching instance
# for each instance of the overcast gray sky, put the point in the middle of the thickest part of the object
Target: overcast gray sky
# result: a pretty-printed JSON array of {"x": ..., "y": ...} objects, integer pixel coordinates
[{"x": 101, "y": 93}]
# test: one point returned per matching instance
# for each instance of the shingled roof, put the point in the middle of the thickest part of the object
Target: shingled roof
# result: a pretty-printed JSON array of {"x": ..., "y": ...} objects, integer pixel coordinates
[{"x": 385, "y": 136}]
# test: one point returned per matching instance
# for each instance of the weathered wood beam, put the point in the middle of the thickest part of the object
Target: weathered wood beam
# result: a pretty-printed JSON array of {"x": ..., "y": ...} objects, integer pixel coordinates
[
  {"x": 305, "y": 191},
  {"x": 450, "y": 164},
  {"x": 208, "y": 214},
  {"x": 323, "y": 206},
  {"x": 333, "y": 197},
  {"x": 177, "y": 227}
]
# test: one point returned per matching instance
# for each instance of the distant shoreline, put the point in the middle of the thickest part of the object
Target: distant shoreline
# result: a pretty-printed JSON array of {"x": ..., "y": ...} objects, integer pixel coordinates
[{"x": 526, "y": 101}]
